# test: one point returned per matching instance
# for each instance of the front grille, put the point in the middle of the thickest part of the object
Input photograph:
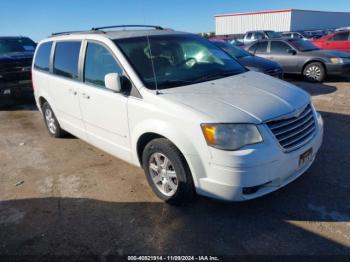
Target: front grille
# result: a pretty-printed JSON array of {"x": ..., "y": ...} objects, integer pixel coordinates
[{"x": 294, "y": 132}]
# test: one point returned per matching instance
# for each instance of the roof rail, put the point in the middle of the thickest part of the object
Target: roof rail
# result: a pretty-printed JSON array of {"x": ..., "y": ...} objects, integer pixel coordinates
[
  {"x": 124, "y": 26},
  {"x": 73, "y": 32}
]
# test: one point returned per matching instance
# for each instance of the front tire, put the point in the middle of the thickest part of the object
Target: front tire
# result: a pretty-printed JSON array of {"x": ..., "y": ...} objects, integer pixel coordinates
[
  {"x": 314, "y": 72},
  {"x": 167, "y": 172},
  {"x": 51, "y": 122}
]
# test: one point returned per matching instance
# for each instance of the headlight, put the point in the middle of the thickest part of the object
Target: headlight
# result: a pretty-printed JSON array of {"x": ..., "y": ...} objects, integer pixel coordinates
[
  {"x": 336, "y": 60},
  {"x": 231, "y": 136}
]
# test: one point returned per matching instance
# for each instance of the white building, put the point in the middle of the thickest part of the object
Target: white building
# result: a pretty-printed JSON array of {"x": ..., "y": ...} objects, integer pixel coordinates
[{"x": 280, "y": 20}]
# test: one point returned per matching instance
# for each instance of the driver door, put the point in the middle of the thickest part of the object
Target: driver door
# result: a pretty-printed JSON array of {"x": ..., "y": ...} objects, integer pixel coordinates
[{"x": 104, "y": 111}]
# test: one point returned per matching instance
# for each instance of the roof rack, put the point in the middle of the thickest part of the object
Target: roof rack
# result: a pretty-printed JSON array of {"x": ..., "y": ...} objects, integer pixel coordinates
[
  {"x": 124, "y": 26},
  {"x": 73, "y": 32}
]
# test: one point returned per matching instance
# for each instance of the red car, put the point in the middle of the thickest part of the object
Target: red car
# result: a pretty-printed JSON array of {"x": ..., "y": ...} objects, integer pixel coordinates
[{"x": 336, "y": 41}]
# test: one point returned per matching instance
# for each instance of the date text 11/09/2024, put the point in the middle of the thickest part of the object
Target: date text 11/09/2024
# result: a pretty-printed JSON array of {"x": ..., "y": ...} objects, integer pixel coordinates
[{"x": 173, "y": 258}]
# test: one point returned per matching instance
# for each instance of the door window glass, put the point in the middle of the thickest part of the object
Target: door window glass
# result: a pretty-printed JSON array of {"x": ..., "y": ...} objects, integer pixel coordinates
[
  {"x": 67, "y": 59},
  {"x": 98, "y": 63},
  {"x": 278, "y": 47}
]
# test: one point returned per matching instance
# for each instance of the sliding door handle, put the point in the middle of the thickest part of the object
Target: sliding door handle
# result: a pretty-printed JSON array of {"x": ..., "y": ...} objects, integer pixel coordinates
[{"x": 86, "y": 96}]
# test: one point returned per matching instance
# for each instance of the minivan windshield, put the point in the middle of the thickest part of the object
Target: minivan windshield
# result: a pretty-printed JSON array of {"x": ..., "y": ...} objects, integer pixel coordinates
[
  {"x": 303, "y": 45},
  {"x": 169, "y": 61},
  {"x": 13, "y": 45}
]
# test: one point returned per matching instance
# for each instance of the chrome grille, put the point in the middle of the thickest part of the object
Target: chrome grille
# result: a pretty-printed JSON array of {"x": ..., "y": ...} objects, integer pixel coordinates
[{"x": 294, "y": 132}]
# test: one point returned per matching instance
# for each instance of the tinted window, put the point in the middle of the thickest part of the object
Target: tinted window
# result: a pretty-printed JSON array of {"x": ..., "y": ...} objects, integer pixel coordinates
[
  {"x": 278, "y": 47},
  {"x": 262, "y": 47},
  {"x": 288, "y": 35},
  {"x": 259, "y": 35},
  {"x": 16, "y": 44},
  {"x": 249, "y": 35},
  {"x": 252, "y": 48},
  {"x": 98, "y": 63},
  {"x": 42, "y": 57},
  {"x": 341, "y": 37},
  {"x": 66, "y": 59}
]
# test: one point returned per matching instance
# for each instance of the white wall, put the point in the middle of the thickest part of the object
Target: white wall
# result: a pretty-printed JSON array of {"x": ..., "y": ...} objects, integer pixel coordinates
[
  {"x": 239, "y": 24},
  {"x": 310, "y": 20}
]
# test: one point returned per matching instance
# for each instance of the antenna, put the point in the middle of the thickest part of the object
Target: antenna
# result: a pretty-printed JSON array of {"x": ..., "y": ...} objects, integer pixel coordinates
[{"x": 152, "y": 63}]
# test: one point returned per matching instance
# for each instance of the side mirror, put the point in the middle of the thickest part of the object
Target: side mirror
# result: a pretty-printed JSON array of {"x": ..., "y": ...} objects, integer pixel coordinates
[
  {"x": 291, "y": 51},
  {"x": 112, "y": 82}
]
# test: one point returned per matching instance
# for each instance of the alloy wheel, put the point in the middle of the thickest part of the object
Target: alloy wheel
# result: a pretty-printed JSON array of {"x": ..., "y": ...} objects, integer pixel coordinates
[{"x": 163, "y": 174}]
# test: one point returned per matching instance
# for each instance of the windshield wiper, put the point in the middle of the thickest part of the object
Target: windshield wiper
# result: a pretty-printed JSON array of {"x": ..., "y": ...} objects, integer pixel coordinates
[
  {"x": 214, "y": 76},
  {"x": 174, "y": 83}
]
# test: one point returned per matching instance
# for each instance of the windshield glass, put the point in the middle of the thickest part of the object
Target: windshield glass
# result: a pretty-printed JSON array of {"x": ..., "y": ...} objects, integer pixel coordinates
[
  {"x": 12, "y": 45},
  {"x": 303, "y": 45},
  {"x": 272, "y": 34},
  {"x": 231, "y": 49},
  {"x": 177, "y": 60}
]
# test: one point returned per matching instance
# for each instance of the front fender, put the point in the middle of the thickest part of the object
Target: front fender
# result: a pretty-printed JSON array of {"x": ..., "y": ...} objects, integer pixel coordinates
[{"x": 175, "y": 134}]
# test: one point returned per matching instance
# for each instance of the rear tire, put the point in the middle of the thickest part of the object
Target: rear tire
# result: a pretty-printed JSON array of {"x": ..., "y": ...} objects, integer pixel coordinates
[
  {"x": 314, "y": 72},
  {"x": 51, "y": 122},
  {"x": 167, "y": 172}
]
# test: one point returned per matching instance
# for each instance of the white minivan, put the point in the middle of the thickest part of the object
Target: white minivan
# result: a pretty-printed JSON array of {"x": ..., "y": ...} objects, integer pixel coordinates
[{"x": 174, "y": 104}]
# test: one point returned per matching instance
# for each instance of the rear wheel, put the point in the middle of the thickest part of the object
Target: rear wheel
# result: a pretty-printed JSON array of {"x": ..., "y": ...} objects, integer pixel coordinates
[
  {"x": 167, "y": 172},
  {"x": 314, "y": 72},
  {"x": 51, "y": 122}
]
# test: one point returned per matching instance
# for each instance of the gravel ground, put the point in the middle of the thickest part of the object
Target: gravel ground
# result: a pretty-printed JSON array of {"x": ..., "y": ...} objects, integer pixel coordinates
[{"x": 65, "y": 197}]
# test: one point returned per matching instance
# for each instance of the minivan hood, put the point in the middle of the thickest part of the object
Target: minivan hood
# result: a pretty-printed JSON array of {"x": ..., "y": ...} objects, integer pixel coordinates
[{"x": 245, "y": 98}]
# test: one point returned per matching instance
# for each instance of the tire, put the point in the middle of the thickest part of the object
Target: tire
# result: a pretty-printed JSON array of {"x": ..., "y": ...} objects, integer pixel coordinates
[
  {"x": 314, "y": 72},
  {"x": 51, "y": 122},
  {"x": 170, "y": 180}
]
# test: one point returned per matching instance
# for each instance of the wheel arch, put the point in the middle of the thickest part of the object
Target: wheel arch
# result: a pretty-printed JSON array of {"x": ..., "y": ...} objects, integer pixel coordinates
[{"x": 314, "y": 61}]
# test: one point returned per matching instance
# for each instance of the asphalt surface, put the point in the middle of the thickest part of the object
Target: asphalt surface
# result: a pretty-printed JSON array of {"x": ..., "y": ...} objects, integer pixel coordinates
[{"x": 65, "y": 197}]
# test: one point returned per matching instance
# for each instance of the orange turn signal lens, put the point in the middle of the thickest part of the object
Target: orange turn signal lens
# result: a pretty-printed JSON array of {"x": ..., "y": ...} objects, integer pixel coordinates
[{"x": 209, "y": 133}]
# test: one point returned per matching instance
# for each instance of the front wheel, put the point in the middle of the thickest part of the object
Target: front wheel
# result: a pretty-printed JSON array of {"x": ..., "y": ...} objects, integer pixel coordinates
[
  {"x": 167, "y": 172},
  {"x": 314, "y": 72}
]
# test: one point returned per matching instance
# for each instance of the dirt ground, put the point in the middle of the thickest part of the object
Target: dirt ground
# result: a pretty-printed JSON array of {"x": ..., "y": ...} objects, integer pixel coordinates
[{"x": 65, "y": 197}]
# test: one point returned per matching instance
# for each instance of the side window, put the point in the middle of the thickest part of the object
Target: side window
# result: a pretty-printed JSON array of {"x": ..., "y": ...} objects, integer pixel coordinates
[
  {"x": 66, "y": 59},
  {"x": 262, "y": 47},
  {"x": 344, "y": 36},
  {"x": 249, "y": 35},
  {"x": 253, "y": 48},
  {"x": 278, "y": 47},
  {"x": 98, "y": 63},
  {"x": 42, "y": 57},
  {"x": 259, "y": 35}
]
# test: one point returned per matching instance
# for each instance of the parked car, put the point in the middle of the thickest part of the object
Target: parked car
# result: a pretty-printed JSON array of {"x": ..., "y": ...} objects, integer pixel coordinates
[
  {"x": 250, "y": 61},
  {"x": 253, "y": 36},
  {"x": 302, "y": 57},
  {"x": 237, "y": 43},
  {"x": 336, "y": 41},
  {"x": 175, "y": 104},
  {"x": 297, "y": 35},
  {"x": 16, "y": 54}
]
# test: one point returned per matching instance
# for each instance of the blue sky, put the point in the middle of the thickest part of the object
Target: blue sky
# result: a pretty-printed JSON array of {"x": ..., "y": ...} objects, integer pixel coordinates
[{"x": 38, "y": 18}]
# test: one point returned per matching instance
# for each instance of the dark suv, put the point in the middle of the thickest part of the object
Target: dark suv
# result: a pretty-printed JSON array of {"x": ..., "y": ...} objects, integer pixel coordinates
[{"x": 16, "y": 54}]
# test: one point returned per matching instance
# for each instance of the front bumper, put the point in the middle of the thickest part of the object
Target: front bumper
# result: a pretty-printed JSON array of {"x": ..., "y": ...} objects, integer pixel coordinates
[
  {"x": 338, "y": 69},
  {"x": 263, "y": 167},
  {"x": 17, "y": 89}
]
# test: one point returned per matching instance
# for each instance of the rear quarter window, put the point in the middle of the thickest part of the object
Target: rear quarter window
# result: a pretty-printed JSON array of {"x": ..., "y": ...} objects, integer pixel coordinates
[
  {"x": 66, "y": 59},
  {"x": 42, "y": 57}
]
